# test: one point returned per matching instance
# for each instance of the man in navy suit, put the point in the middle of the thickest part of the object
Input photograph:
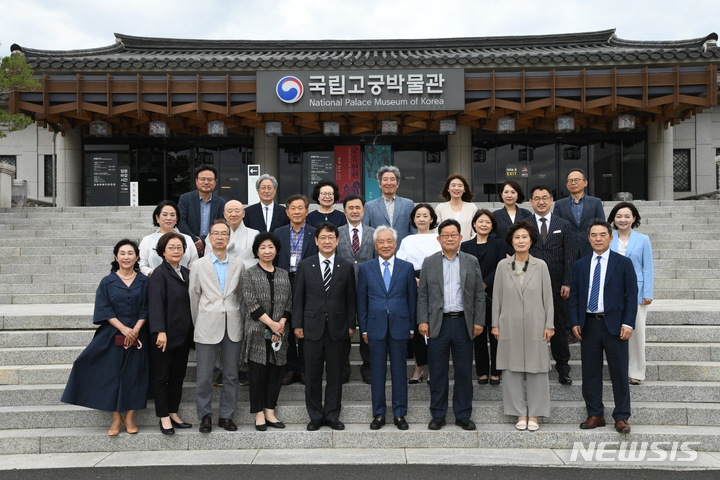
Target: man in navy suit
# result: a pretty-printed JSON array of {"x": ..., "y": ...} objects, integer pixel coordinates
[
  {"x": 603, "y": 304},
  {"x": 386, "y": 304},
  {"x": 266, "y": 215},
  {"x": 390, "y": 209},
  {"x": 579, "y": 209},
  {"x": 199, "y": 209}
]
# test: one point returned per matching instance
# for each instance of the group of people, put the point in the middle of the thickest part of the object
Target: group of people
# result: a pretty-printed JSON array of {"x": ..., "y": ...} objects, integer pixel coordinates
[{"x": 278, "y": 292}]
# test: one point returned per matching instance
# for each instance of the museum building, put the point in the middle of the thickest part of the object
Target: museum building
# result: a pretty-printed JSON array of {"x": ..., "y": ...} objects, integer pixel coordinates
[{"x": 132, "y": 120}]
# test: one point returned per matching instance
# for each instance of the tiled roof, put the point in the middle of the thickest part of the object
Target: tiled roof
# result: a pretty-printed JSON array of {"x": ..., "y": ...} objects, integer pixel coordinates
[{"x": 591, "y": 49}]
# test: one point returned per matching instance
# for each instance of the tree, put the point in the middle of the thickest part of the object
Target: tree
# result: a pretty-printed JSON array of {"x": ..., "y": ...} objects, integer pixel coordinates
[{"x": 15, "y": 75}]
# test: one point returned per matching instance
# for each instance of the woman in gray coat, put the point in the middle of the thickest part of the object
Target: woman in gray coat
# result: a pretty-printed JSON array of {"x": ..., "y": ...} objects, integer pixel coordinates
[
  {"x": 522, "y": 322},
  {"x": 267, "y": 294}
]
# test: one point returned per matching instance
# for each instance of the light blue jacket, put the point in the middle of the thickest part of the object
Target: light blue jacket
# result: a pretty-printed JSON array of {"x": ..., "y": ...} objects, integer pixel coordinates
[{"x": 640, "y": 252}]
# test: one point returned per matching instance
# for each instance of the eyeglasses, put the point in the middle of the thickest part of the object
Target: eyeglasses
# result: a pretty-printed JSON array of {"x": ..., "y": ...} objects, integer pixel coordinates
[
  {"x": 206, "y": 179},
  {"x": 327, "y": 194},
  {"x": 575, "y": 180},
  {"x": 448, "y": 236},
  {"x": 174, "y": 249},
  {"x": 324, "y": 238},
  {"x": 220, "y": 234},
  {"x": 544, "y": 198}
]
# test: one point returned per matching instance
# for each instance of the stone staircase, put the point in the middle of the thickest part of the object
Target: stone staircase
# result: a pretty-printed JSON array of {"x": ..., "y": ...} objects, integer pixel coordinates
[{"x": 52, "y": 259}]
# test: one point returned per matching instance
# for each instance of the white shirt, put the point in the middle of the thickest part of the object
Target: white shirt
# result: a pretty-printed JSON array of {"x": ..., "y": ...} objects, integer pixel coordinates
[
  {"x": 240, "y": 245},
  {"x": 603, "y": 269},
  {"x": 150, "y": 260},
  {"x": 268, "y": 218},
  {"x": 416, "y": 248},
  {"x": 359, "y": 229},
  {"x": 539, "y": 223},
  {"x": 322, "y": 263}
]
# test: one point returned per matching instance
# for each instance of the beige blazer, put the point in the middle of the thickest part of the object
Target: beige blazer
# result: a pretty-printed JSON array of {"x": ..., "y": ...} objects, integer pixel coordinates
[
  {"x": 212, "y": 310},
  {"x": 522, "y": 313}
]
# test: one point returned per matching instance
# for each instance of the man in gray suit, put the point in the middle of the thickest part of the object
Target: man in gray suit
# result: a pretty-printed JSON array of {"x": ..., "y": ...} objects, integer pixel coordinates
[
  {"x": 216, "y": 304},
  {"x": 356, "y": 246},
  {"x": 451, "y": 311},
  {"x": 390, "y": 209}
]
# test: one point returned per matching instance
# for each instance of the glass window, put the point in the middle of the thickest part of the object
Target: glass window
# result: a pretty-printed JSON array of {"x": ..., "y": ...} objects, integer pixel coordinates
[
  {"x": 12, "y": 160},
  {"x": 681, "y": 170},
  {"x": 48, "y": 175}
]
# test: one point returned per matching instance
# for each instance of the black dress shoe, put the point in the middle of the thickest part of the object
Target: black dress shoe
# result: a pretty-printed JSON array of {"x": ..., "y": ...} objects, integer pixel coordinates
[
  {"x": 261, "y": 428},
  {"x": 288, "y": 378},
  {"x": 301, "y": 378},
  {"x": 227, "y": 424},
  {"x": 206, "y": 424},
  {"x": 180, "y": 425},
  {"x": 366, "y": 379},
  {"x": 437, "y": 423},
  {"x": 166, "y": 431},
  {"x": 565, "y": 381},
  {"x": 335, "y": 424},
  {"x": 465, "y": 423},
  {"x": 378, "y": 422},
  {"x": 400, "y": 423},
  {"x": 277, "y": 424},
  {"x": 483, "y": 381},
  {"x": 495, "y": 381},
  {"x": 315, "y": 425}
]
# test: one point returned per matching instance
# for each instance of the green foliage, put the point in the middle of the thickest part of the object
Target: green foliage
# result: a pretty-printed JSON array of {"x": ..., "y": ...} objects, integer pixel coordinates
[{"x": 15, "y": 75}]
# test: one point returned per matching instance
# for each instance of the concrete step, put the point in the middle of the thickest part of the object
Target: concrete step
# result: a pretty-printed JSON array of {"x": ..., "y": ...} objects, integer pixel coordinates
[
  {"x": 685, "y": 274},
  {"x": 48, "y": 288},
  {"x": 692, "y": 283},
  {"x": 60, "y": 298},
  {"x": 685, "y": 294}
]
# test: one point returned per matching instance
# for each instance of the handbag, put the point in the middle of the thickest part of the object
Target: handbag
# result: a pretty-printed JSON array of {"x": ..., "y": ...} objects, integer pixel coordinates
[{"x": 120, "y": 341}]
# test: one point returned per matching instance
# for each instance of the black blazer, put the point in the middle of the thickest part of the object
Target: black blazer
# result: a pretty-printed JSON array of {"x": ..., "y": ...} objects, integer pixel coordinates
[
  {"x": 313, "y": 308},
  {"x": 255, "y": 218},
  {"x": 503, "y": 221},
  {"x": 309, "y": 247},
  {"x": 558, "y": 252},
  {"x": 189, "y": 206},
  {"x": 169, "y": 306},
  {"x": 488, "y": 260}
]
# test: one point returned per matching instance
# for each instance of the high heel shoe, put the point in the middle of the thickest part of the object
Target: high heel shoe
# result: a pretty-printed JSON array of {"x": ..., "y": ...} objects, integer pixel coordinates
[
  {"x": 413, "y": 381},
  {"x": 115, "y": 432},
  {"x": 132, "y": 430},
  {"x": 180, "y": 424},
  {"x": 167, "y": 431}
]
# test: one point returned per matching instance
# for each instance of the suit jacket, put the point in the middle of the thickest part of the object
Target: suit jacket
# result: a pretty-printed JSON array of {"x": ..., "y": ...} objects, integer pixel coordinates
[
  {"x": 640, "y": 253},
  {"x": 255, "y": 217},
  {"x": 212, "y": 309},
  {"x": 309, "y": 247},
  {"x": 619, "y": 292},
  {"x": 430, "y": 292},
  {"x": 313, "y": 308},
  {"x": 367, "y": 246},
  {"x": 377, "y": 307},
  {"x": 558, "y": 251},
  {"x": 503, "y": 220},
  {"x": 592, "y": 209},
  {"x": 189, "y": 206},
  {"x": 376, "y": 215},
  {"x": 169, "y": 305}
]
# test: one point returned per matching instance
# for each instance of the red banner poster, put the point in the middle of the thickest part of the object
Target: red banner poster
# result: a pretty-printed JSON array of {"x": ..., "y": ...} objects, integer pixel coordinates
[{"x": 348, "y": 172}]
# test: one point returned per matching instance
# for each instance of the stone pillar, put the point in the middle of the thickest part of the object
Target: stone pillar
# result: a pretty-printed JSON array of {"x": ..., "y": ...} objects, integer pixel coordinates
[
  {"x": 660, "y": 162},
  {"x": 704, "y": 180},
  {"x": 265, "y": 152},
  {"x": 460, "y": 153},
  {"x": 69, "y": 168},
  {"x": 6, "y": 180}
]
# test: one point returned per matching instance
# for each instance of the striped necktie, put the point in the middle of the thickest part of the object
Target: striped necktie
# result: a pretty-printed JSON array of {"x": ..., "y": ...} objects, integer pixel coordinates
[
  {"x": 595, "y": 289},
  {"x": 327, "y": 276}
]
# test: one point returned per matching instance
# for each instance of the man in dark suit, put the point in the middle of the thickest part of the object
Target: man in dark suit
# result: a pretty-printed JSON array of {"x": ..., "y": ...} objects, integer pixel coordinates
[
  {"x": 324, "y": 316},
  {"x": 556, "y": 247},
  {"x": 390, "y": 209},
  {"x": 297, "y": 241},
  {"x": 266, "y": 215},
  {"x": 579, "y": 209},
  {"x": 603, "y": 304},
  {"x": 356, "y": 246},
  {"x": 451, "y": 311},
  {"x": 199, "y": 209},
  {"x": 387, "y": 299}
]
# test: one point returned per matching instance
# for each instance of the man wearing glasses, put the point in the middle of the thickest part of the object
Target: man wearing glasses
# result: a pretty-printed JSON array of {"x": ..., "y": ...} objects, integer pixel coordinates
[
  {"x": 579, "y": 210},
  {"x": 198, "y": 209},
  {"x": 451, "y": 312}
]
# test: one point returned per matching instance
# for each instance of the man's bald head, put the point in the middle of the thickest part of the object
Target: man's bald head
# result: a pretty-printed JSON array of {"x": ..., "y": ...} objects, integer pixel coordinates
[{"x": 234, "y": 213}]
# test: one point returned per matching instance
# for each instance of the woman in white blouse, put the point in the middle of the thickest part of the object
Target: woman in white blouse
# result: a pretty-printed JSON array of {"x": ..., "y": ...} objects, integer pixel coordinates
[
  {"x": 165, "y": 217},
  {"x": 458, "y": 205}
]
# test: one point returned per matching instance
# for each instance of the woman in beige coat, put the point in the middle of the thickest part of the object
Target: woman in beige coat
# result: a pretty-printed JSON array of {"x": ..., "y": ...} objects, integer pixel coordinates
[{"x": 522, "y": 322}]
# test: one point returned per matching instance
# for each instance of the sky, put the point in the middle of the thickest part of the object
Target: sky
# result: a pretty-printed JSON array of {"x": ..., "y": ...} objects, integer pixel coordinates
[{"x": 75, "y": 24}]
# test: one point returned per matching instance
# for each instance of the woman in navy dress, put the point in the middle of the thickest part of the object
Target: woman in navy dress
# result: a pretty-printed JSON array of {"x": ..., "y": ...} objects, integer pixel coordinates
[
  {"x": 107, "y": 376},
  {"x": 326, "y": 193}
]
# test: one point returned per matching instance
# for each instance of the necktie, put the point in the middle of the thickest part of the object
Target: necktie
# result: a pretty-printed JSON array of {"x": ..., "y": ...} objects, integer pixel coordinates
[
  {"x": 595, "y": 290},
  {"x": 355, "y": 242},
  {"x": 386, "y": 275},
  {"x": 267, "y": 225},
  {"x": 543, "y": 229},
  {"x": 326, "y": 275}
]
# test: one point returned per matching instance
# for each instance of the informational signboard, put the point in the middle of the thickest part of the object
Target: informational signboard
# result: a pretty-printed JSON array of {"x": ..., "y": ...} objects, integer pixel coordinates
[
  {"x": 515, "y": 171},
  {"x": 348, "y": 170},
  {"x": 103, "y": 180},
  {"x": 253, "y": 172},
  {"x": 321, "y": 166},
  {"x": 375, "y": 157}
]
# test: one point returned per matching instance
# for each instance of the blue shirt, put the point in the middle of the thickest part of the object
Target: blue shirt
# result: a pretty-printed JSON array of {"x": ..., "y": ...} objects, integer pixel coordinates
[
  {"x": 577, "y": 208},
  {"x": 452, "y": 289},
  {"x": 220, "y": 269},
  {"x": 204, "y": 216}
]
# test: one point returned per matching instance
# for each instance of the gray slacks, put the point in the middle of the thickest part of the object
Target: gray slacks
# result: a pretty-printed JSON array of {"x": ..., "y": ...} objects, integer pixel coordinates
[
  {"x": 533, "y": 402},
  {"x": 206, "y": 355}
]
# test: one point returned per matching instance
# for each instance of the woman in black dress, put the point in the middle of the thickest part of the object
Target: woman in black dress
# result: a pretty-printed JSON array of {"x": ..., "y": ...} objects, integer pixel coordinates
[
  {"x": 171, "y": 329},
  {"x": 489, "y": 250},
  {"x": 113, "y": 372},
  {"x": 326, "y": 193}
]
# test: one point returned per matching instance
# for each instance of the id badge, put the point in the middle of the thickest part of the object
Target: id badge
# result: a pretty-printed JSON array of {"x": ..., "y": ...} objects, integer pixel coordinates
[{"x": 293, "y": 260}]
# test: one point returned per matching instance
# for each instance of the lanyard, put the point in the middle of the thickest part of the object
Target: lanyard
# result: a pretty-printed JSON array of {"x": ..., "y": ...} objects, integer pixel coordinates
[{"x": 293, "y": 247}]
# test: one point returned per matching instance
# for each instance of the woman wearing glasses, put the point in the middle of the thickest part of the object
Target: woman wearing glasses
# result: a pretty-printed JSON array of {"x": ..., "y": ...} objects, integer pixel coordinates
[{"x": 326, "y": 194}]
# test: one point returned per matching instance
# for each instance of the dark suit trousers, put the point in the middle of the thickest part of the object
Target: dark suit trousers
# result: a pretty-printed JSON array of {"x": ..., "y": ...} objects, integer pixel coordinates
[
  {"x": 379, "y": 350},
  {"x": 364, "y": 354},
  {"x": 485, "y": 365},
  {"x": 328, "y": 353},
  {"x": 559, "y": 342},
  {"x": 453, "y": 338},
  {"x": 295, "y": 356},
  {"x": 169, "y": 368},
  {"x": 596, "y": 338}
]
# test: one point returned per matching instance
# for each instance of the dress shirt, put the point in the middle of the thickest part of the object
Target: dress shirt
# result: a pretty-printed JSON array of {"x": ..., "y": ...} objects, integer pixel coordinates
[
  {"x": 220, "y": 269},
  {"x": 452, "y": 289},
  {"x": 359, "y": 229},
  {"x": 296, "y": 245},
  {"x": 205, "y": 215},
  {"x": 391, "y": 264},
  {"x": 577, "y": 208},
  {"x": 603, "y": 268},
  {"x": 322, "y": 263},
  {"x": 390, "y": 207},
  {"x": 538, "y": 223},
  {"x": 267, "y": 216}
]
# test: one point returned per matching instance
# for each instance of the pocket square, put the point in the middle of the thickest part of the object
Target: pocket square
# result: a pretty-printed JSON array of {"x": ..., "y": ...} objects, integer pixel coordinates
[{"x": 557, "y": 231}]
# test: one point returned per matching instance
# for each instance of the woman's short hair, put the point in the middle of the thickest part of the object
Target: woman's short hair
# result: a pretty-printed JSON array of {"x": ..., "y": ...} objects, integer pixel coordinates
[
  {"x": 115, "y": 266},
  {"x": 489, "y": 214},
  {"x": 325, "y": 183},
  {"x": 515, "y": 186},
  {"x": 160, "y": 206},
  {"x": 433, "y": 215},
  {"x": 467, "y": 195},
  {"x": 260, "y": 238},
  {"x": 620, "y": 206},
  {"x": 522, "y": 225},
  {"x": 163, "y": 241}
]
